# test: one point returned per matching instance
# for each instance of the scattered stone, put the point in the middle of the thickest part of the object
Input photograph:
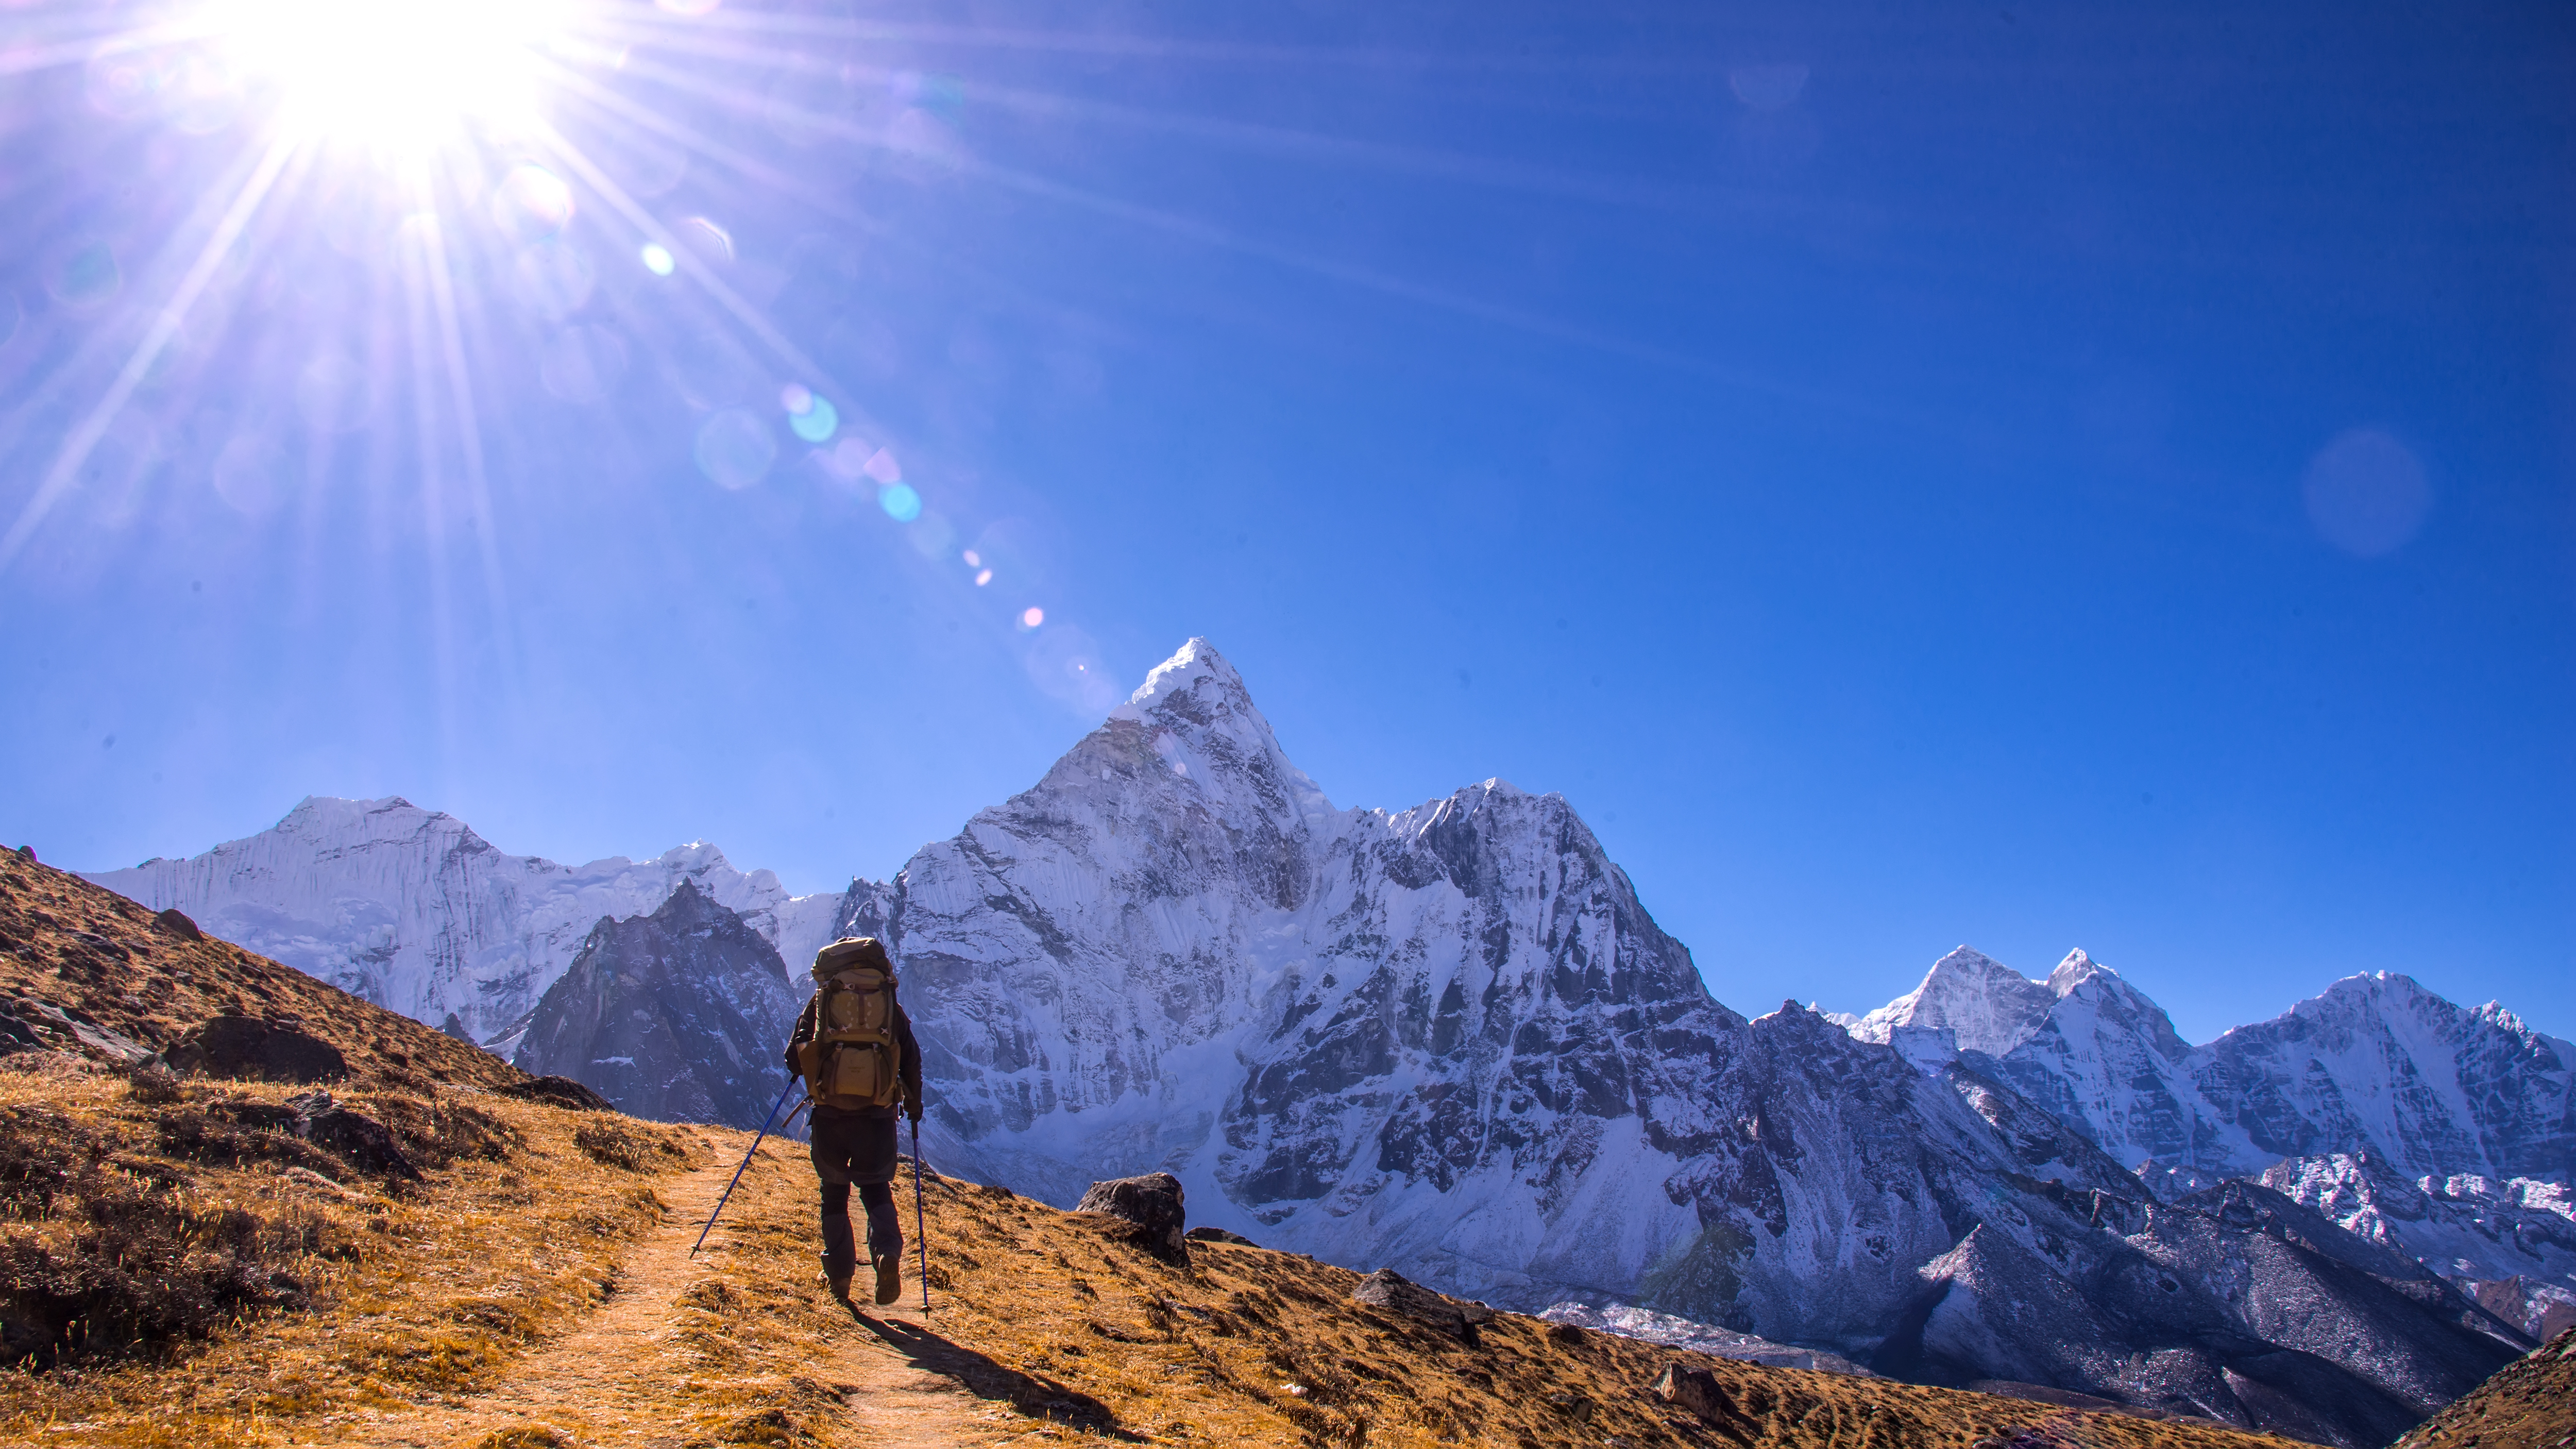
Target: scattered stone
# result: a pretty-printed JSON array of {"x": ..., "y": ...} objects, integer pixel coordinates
[
  {"x": 353, "y": 1137},
  {"x": 1697, "y": 1390},
  {"x": 27, "y": 853},
  {"x": 561, "y": 1092},
  {"x": 307, "y": 1177},
  {"x": 153, "y": 1083},
  {"x": 1392, "y": 1291},
  {"x": 1219, "y": 1235},
  {"x": 1565, "y": 1333},
  {"x": 31, "y": 1025},
  {"x": 177, "y": 924},
  {"x": 1573, "y": 1406},
  {"x": 1152, "y": 1203},
  {"x": 248, "y": 1048}
]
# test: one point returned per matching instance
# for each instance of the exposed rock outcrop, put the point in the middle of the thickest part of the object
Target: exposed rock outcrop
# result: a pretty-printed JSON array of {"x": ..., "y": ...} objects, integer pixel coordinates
[
  {"x": 1152, "y": 1203},
  {"x": 1392, "y": 1291},
  {"x": 256, "y": 1049},
  {"x": 678, "y": 1016}
]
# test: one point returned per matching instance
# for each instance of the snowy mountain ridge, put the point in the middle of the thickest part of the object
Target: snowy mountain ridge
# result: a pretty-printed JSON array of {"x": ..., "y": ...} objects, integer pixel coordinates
[
  {"x": 412, "y": 910},
  {"x": 2448, "y": 1131}
]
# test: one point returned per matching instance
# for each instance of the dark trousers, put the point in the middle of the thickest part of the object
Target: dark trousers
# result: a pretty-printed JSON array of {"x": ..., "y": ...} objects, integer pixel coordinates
[{"x": 851, "y": 1150}]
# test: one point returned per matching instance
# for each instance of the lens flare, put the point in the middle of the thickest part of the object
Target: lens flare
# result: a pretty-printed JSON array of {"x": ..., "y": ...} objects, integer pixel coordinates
[
  {"x": 395, "y": 73},
  {"x": 810, "y": 418}
]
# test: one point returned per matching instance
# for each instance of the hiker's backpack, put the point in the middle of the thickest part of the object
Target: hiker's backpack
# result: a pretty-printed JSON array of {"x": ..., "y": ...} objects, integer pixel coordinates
[{"x": 853, "y": 1060}]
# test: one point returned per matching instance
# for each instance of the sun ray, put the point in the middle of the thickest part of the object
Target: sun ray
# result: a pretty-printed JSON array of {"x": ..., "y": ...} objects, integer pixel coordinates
[
  {"x": 469, "y": 431},
  {"x": 1211, "y": 234},
  {"x": 90, "y": 48},
  {"x": 419, "y": 254},
  {"x": 165, "y": 325}
]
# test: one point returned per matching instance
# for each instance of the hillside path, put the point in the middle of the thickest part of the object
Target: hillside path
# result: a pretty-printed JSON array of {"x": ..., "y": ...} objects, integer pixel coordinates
[{"x": 607, "y": 1384}]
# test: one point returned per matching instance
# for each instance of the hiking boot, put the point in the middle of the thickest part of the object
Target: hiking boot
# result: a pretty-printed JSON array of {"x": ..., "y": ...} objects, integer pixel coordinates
[
  {"x": 889, "y": 1279},
  {"x": 840, "y": 1287}
]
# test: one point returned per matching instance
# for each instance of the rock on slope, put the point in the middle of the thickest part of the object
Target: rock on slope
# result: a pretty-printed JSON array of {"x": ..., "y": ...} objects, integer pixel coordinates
[
  {"x": 413, "y": 911},
  {"x": 677, "y": 1016}
]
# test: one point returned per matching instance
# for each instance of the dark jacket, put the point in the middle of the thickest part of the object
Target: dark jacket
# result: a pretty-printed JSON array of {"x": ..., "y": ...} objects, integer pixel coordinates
[{"x": 909, "y": 1070}]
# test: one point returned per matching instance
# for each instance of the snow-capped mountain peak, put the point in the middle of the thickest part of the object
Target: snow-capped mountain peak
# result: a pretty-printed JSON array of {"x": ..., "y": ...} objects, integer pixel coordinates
[
  {"x": 411, "y": 909},
  {"x": 2074, "y": 971},
  {"x": 1983, "y": 1004},
  {"x": 1200, "y": 725}
]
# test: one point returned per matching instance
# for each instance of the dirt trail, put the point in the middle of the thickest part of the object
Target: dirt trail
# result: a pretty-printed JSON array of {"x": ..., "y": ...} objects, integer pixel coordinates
[{"x": 609, "y": 1383}]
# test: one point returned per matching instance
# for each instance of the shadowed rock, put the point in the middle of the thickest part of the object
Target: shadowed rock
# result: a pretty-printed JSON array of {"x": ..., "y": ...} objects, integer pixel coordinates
[
  {"x": 1219, "y": 1235},
  {"x": 177, "y": 924},
  {"x": 1395, "y": 1293},
  {"x": 561, "y": 1092},
  {"x": 1152, "y": 1203},
  {"x": 247, "y": 1048},
  {"x": 353, "y": 1137},
  {"x": 1697, "y": 1390}
]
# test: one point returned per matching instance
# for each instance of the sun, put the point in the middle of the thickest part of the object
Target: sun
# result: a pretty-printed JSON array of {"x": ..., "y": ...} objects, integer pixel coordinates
[{"x": 391, "y": 73}]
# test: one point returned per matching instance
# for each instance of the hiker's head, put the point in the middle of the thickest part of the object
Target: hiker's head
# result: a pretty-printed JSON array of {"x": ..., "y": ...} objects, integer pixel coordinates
[{"x": 851, "y": 952}]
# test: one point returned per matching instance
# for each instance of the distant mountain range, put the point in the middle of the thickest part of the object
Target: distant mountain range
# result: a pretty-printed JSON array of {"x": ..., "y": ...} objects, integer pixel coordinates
[{"x": 1451, "y": 1040}]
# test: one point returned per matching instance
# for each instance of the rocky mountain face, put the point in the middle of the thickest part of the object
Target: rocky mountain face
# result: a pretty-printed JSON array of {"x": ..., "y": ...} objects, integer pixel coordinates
[
  {"x": 1451, "y": 1041},
  {"x": 2447, "y": 1133},
  {"x": 410, "y": 909},
  {"x": 1968, "y": 1002},
  {"x": 677, "y": 1016},
  {"x": 2375, "y": 1065}
]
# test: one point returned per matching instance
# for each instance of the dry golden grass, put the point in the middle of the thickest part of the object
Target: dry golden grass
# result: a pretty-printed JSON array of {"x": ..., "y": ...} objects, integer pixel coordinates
[
  {"x": 2529, "y": 1404},
  {"x": 532, "y": 1287},
  {"x": 404, "y": 1294},
  {"x": 1059, "y": 1316}
]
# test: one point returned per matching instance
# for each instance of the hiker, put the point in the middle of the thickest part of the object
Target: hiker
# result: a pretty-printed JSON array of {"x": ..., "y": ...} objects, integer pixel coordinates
[{"x": 853, "y": 1049}]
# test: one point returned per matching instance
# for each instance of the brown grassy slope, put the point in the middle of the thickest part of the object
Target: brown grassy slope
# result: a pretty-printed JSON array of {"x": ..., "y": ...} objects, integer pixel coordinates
[
  {"x": 2529, "y": 1404},
  {"x": 240, "y": 1285},
  {"x": 1242, "y": 1345},
  {"x": 244, "y": 1288},
  {"x": 97, "y": 955}
]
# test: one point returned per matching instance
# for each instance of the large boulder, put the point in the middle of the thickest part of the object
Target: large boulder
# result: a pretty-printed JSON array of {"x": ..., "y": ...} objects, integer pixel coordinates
[
  {"x": 1152, "y": 1203},
  {"x": 561, "y": 1092},
  {"x": 353, "y": 1137},
  {"x": 1391, "y": 1291},
  {"x": 249, "y": 1048},
  {"x": 1697, "y": 1390}
]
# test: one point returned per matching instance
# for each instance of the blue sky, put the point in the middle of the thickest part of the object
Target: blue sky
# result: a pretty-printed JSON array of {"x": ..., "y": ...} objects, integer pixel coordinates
[{"x": 2034, "y": 476}]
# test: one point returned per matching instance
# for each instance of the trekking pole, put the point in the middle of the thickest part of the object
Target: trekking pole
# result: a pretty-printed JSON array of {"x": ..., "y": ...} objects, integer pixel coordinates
[
  {"x": 738, "y": 1172},
  {"x": 920, "y": 1232}
]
